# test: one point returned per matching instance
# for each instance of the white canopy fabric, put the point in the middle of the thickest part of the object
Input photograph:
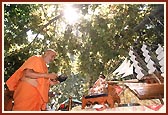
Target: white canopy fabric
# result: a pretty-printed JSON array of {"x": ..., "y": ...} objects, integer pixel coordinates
[
  {"x": 126, "y": 68},
  {"x": 129, "y": 71}
]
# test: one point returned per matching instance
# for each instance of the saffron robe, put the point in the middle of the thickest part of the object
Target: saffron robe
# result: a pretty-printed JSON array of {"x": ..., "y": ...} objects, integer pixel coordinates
[{"x": 25, "y": 91}]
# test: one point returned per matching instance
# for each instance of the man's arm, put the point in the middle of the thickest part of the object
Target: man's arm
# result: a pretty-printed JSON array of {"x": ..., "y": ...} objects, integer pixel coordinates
[{"x": 30, "y": 73}]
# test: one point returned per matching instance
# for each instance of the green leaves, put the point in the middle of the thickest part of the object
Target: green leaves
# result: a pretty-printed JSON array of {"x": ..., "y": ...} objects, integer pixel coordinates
[{"x": 95, "y": 43}]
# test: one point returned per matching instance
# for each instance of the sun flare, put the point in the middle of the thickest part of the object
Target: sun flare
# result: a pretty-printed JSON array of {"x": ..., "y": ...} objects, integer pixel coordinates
[{"x": 71, "y": 14}]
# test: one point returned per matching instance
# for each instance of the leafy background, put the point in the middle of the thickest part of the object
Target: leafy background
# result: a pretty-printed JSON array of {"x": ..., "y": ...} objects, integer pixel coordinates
[{"x": 86, "y": 48}]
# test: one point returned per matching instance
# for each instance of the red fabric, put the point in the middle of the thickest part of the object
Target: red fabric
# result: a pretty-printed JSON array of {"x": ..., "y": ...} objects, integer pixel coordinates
[
  {"x": 154, "y": 107},
  {"x": 98, "y": 87},
  {"x": 118, "y": 89},
  {"x": 62, "y": 106}
]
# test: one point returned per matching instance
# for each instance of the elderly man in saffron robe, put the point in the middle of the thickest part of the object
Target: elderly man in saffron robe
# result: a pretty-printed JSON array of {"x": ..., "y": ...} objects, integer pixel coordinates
[{"x": 31, "y": 83}]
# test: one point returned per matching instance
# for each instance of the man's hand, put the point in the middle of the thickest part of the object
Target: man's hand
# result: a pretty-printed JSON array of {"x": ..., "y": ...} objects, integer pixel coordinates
[
  {"x": 54, "y": 82},
  {"x": 52, "y": 76}
]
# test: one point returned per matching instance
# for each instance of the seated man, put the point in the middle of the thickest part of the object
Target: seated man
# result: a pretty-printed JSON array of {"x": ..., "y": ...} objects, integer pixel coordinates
[{"x": 99, "y": 87}]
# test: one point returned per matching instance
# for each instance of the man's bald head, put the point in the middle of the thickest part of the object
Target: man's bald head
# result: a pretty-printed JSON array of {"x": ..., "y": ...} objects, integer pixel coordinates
[{"x": 49, "y": 55}]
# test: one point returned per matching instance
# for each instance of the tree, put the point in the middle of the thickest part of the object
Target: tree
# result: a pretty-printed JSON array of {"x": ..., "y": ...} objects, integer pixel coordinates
[{"x": 96, "y": 43}]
